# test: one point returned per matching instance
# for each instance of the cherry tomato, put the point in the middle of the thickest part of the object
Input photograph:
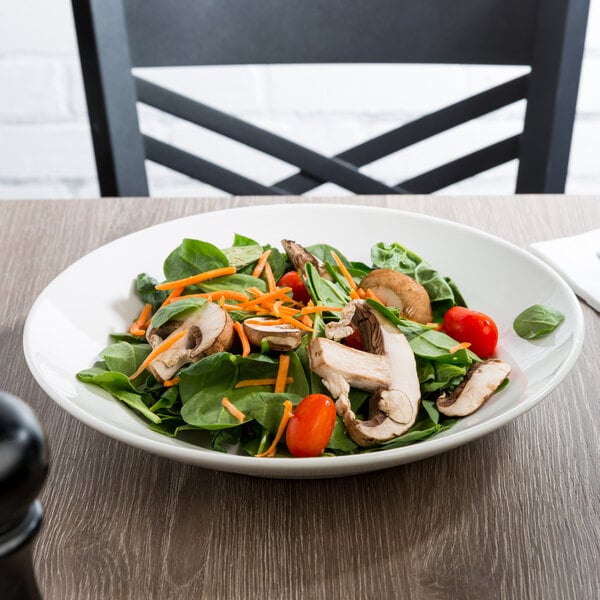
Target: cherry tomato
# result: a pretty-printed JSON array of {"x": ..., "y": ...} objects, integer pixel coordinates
[
  {"x": 292, "y": 279},
  {"x": 473, "y": 327},
  {"x": 354, "y": 340},
  {"x": 311, "y": 425}
]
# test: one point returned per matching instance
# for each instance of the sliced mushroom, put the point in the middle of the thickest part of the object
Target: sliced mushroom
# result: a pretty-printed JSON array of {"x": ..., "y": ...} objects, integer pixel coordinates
[
  {"x": 481, "y": 381},
  {"x": 400, "y": 290},
  {"x": 282, "y": 337},
  {"x": 210, "y": 330},
  {"x": 299, "y": 256},
  {"x": 388, "y": 369}
]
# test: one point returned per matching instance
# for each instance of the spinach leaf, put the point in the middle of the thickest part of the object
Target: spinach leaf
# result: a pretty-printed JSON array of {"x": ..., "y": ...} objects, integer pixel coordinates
[
  {"x": 323, "y": 291},
  {"x": 241, "y": 256},
  {"x": 323, "y": 253},
  {"x": 177, "y": 309},
  {"x": 146, "y": 290},
  {"x": 120, "y": 387},
  {"x": 237, "y": 283},
  {"x": 124, "y": 357},
  {"x": 192, "y": 257},
  {"x": 537, "y": 321},
  {"x": 204, "y": 384},
  {"x": 340, "y": 440},
  {"x": 242, "y": 240}
]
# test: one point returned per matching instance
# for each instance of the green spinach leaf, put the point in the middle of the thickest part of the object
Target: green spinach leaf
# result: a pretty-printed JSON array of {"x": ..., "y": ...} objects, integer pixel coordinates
[
  {"x": 537, "y": 321},
  {"x": 192, "y": 257}
]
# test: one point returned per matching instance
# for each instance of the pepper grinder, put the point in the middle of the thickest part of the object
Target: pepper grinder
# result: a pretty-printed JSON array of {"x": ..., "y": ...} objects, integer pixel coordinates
[{"x": 23, "y": 468}]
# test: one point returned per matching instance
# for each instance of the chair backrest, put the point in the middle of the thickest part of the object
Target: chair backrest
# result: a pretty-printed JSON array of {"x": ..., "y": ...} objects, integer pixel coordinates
[{"x": 116, "y": 36}]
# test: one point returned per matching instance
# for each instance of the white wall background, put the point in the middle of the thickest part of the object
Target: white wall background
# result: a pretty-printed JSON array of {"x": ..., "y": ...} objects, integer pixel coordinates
[{"x": 45, "y": 146}]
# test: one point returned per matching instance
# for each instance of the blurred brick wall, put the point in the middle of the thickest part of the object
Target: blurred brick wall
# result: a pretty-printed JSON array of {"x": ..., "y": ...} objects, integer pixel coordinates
[{"x": 45, "y": 147}]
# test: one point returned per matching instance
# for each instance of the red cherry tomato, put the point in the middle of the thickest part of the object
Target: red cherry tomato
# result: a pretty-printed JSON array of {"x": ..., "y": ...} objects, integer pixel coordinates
[
  {"x": 354, "y": 340},
  {"x": 311, "y": 425},
  {"x": 477, "y": 329},
  {"x": 292, "y": 279}
]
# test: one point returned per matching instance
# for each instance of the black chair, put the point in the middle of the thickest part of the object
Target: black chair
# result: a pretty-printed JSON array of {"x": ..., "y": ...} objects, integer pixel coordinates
[{"x": 118, "y": 35}]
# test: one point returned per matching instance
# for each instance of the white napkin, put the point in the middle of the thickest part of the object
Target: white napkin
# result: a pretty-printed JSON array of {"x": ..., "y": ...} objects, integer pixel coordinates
[{"x": 577, "y": 260}]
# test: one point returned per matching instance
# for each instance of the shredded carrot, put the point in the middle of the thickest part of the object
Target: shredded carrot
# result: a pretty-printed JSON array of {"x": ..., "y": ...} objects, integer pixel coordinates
[
  {"x": 362, "y": 293},
  {"x": 138, "y": 327},
  {"x": 266, "y": 381},
  {"x": 165, "y": 345},
  {"x": 461, "y": 346},
  {"x": 266, "y": 322},
  {"x": 260, "y": 265},
  {"x": 315, "y": 309},
  {"x": 257, "y": 293},
  {"x": 239, "y": 329},
  {"x": 236, "y": 413},
  {"x": 354, "y": 295},
  {"x": 278, "y": 293},
  {"x": 371, "y": 294},
  {"x": 171, "y": 382},
  {"x": 228, "y": 294},
  {"x": 344, "y": 271},
  {"x": 282, "y": 371},
  {"x": 287, "y": 414},
  {"x": 173, "y": 296},
  {"x": 307, "y": 321},
  {"x": 212, "y": 274},
  {"x": 271, "y": 283},
  {"x": 295, "y": 323},
  {"x": 436, "y": 326}
]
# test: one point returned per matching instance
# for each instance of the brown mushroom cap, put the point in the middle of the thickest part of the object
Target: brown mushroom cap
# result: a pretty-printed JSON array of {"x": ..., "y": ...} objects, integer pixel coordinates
[
  {"x": 400, "y": 290},
  {"x": 210, "y": 330}
]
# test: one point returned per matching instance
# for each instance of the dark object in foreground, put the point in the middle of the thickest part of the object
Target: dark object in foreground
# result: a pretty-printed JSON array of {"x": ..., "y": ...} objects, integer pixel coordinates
[{"x": 23, "y": 467}]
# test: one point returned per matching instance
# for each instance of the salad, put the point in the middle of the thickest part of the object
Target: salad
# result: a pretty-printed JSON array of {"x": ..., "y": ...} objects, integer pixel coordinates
[{"x": 298, "y": 351}]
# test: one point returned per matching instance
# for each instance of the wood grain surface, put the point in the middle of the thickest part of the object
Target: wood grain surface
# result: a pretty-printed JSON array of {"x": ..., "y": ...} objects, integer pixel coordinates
[{"x": 515, "y": 514}]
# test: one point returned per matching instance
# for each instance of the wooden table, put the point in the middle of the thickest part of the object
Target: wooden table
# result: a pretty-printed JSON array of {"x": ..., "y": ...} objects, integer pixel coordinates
[{"x": 513, "y": 515}]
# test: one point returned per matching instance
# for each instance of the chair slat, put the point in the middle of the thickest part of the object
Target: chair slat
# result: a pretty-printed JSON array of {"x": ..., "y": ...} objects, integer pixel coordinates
[
  {"x": 331, "y": 31},
  {"x": 420, "y": 129},
  {"x": 327, "y": 169},
  {"x": 203, "y": 170},
  {"x": 464, "y": 167}
]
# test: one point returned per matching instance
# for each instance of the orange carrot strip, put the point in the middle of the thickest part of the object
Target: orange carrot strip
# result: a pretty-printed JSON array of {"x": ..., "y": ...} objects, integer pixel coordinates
[
  {"x": 239, "y": 329},
  {"x": 297, "y": 324},
  {"x": 268, "y": 296},
  {"x": 461, "y": 346},
  {"x": 287, "y": 414},
  {"x": 212, "y": 274},
  {"x": 264, "y": 322},
  {"x": 260, "y": 265},
  {"x": 315, "y": 309},
  {"x": 362, "y": 293},
  {"x": 236, "y": 413},
  {"x": 138, "y": 327},
  {"x": 165, "y": 345},
  {"x": 371, "y": 294},
  {"x": 257, "y": 293},
  {"x": 436, "y": 326},
  {"x": 225, "y": 306},
  {"x": 354, "y": 295},
  {"x": 307, "y": 321},
  {"x": 282, "y": 371},
  {"x": 271, "y": 283},
  {"x": 266, "y": 381},
  {"x": 228, "y": 294},
  {"x": 171, "y": 382},
  {"x": 345, "y": 272},
  {"x": 173, "y": 296}
]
